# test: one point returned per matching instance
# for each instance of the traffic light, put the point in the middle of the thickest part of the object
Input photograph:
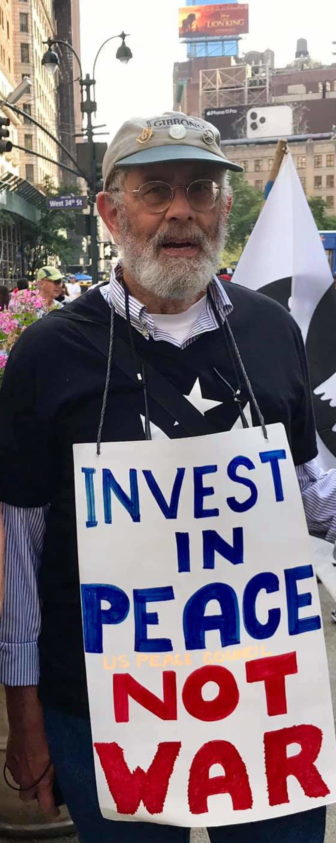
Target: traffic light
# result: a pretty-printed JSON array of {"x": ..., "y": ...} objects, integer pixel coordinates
[{"x": 5, "y": 145}]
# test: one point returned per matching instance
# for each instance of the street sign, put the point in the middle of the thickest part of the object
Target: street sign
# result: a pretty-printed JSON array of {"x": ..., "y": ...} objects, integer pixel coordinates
[{"x": 65, "y": 203}]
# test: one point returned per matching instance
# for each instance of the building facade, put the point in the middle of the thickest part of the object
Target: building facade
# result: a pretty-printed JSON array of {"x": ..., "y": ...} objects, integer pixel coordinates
[
  {"x": 33, "y": 23},
  {"x": 314, "y": 159}
]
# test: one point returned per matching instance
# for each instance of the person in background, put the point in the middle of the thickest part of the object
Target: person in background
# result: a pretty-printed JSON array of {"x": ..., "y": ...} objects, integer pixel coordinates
[
  {"x": 4, "y": 297},
  {"x": 73, "y": 287},
  {"x": 49, "y": 281},
  {"x": 22, "y": 284}
]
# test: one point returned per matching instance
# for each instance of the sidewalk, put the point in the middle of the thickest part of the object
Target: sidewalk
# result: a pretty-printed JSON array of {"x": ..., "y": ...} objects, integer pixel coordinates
[{"x": 16, "y": 808}]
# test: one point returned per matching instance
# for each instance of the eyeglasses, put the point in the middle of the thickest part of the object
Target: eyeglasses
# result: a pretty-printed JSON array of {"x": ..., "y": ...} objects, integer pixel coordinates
[{"x": 202, "y": 194}]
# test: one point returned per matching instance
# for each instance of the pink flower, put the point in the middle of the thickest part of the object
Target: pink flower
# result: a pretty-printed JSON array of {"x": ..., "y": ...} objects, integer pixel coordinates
[
  {"x": 3, "y": 359},
  {"x": 7, "y": 322}
]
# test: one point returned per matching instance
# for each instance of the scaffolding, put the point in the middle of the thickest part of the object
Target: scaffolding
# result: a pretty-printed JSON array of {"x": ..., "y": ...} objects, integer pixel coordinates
[{"x": 231, "y": 86}]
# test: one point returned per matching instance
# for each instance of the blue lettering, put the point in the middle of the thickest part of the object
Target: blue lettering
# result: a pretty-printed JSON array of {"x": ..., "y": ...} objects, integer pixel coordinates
[
  {"x": 142, "y": 619},
  {"x": 213, "y": 542},
  {"x": 273, "y": 458},
  {"x": 110, "y": 484},
  {"x": 94, "y": 616},
  {"x": 232, "y": 474},
  {"x": 169, "y": 509},
  {"x": 297, "y": 625},
  {"x": 90, "y": 497},
  {"x": 201, "y": 491},
  {"x": 270, "y": 583},
  {"x": 196, "y": 624},
  {"x": 183, "y": 552}
]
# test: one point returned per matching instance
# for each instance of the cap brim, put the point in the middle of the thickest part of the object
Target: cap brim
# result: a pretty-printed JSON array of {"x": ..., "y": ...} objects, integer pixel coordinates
[{"x": 176, "y": 152}]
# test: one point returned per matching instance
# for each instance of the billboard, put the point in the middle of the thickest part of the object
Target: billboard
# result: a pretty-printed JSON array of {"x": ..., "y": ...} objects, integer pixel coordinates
[
  {"x": 273, "y": 121},
  {"x": 213, "y": 21}
]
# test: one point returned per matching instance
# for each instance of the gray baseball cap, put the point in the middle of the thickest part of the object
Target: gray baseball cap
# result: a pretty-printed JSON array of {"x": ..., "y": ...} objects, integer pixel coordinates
[{"x": 172, "y": 136}]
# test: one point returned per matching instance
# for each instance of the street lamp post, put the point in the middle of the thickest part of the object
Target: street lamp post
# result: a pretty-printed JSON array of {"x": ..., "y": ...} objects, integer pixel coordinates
[{"x": 50, "y": 61}]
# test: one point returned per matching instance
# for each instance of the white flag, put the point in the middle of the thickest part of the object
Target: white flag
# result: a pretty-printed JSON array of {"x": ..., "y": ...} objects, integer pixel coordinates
[{"x": 285, "y": 254}]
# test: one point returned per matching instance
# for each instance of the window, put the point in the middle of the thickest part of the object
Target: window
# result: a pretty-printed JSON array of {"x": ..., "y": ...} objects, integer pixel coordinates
[
  {"x": 330, "y": 201},
  {"x": 24, "y": 49},
  {"x": 23, "y": 22},
  {"x": 258, "y": 184},
  {"x": 301, "y": 162},
  {"x": 303, "y": 182},
  {"x": 27, "y": 108},
  {"x": 258, "y": 165},
  {"x": 317, "y": 160},
  {"x": 8, "y": 30},
  {"x": 28, "y": 141},
  {"x": 245, "y": 165},
  {"x": 270, "y": 163},
  {"x": 330, "y": 158},
  {"x": 30, "y": 172},
  {"x": 330, "y": 181},
  {"x": 317, "y": 182}
]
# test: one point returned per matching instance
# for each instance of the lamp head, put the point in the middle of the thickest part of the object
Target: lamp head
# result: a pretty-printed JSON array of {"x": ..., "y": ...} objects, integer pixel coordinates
[
  {"x": 50, "y": 60},
  {"x": 123, "y": 54}
]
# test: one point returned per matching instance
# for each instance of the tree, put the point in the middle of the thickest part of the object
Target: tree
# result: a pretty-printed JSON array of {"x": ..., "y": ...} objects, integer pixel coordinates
[
  {"x": 49, "y": 237},
  {"x": 247, "y": 203},
  {"x": 318, "y": 208}
]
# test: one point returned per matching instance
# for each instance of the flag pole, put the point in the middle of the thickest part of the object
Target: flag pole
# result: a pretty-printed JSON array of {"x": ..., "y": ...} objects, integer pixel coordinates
[{"x": 280, "y": 151}]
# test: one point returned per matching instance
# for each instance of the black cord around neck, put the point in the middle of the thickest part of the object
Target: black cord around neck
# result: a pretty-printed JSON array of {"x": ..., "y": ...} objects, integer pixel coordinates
[{"x": 236, "y": 362}]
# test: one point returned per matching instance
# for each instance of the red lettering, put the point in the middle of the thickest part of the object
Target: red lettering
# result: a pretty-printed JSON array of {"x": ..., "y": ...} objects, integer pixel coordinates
[
  {"x": 125, "y": 686},
  {"x": 224, "y": 703},
  {"x": 272, "y": 670},
  {"x": 235, "y": 781},
  {"x": 129, "y": 789},
  {"x": 279, "y": 766}
]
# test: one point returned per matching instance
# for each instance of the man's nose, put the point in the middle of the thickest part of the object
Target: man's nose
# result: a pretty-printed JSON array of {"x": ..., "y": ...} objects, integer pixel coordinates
[{"x": 180, "y": 207}]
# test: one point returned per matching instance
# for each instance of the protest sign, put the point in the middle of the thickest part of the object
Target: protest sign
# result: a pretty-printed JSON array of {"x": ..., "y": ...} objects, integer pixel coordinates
[{"x": 206, "y": 665}]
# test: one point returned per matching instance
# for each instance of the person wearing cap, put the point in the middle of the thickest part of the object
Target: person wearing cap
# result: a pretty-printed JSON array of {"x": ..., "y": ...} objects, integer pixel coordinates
[
  {"x": 49, "y": 282},
  {"x": 164, "y": 350}
]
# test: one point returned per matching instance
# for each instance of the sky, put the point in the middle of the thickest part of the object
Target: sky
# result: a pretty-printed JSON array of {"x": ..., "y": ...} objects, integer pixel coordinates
[{"x": 144, "y": 85}]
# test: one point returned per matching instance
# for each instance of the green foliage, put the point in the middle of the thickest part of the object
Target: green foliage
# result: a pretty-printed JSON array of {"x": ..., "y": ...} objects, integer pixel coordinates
[
  {"x": 247, "y": 204},
  {"x": 46, "y": 240},
  {"x": 318, "y": 208}
]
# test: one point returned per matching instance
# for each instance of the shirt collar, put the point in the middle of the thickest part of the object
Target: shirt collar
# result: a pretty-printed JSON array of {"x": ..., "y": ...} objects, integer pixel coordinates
[{"x": 140, "y": 317}]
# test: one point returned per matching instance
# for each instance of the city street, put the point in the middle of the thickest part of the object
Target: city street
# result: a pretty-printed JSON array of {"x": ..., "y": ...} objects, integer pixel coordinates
[{"x": 13, "y": 809}]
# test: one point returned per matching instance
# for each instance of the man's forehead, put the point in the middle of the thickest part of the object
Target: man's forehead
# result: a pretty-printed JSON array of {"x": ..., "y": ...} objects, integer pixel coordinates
[{"x": 179, "y": 170}]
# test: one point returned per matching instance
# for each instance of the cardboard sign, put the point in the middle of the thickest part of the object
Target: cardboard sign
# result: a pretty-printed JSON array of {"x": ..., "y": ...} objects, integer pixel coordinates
[{"x": 205, "y": 658}]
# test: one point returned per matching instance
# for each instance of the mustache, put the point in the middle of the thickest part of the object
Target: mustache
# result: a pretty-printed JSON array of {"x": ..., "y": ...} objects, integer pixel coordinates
[{"x": 179, "y": 234}]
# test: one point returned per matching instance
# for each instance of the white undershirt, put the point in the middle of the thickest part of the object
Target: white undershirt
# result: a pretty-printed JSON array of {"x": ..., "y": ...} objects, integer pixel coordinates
[{"x": 179, "y": 325}]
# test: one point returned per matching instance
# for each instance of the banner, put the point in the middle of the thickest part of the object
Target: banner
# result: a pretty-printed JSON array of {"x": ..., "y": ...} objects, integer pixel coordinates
[
  {"x": 213, "y": 21},
  {"x": 205, "y": 658},
  {"x": 272, "y": 121},
  {"x": 284, "y": 258}
]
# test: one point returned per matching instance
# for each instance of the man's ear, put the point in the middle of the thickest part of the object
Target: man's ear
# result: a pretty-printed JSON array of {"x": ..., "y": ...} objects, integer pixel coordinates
[{"x": 108, "y": 212}]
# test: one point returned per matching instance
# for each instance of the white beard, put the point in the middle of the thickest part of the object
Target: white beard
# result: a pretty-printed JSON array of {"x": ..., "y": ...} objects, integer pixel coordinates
[{"x": 165, "y": 276}]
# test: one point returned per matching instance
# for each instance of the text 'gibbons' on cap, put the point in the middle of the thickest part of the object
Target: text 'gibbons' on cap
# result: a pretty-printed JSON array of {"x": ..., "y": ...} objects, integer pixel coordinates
[
  {"x": 50, "y": 273},
  {"x": 172, "y": 136}
]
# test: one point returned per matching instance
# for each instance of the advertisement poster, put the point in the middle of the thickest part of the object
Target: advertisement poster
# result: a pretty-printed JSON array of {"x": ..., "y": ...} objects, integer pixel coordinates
[
  {"x": 213, "y": 21},
  {"x": 206, "y": 665}
]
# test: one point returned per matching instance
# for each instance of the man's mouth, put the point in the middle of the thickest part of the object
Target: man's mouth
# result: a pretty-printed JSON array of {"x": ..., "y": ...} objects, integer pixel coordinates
[{"x": 181, "y": 247}]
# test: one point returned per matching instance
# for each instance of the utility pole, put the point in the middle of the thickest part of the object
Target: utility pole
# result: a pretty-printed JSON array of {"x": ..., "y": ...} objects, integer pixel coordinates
[{"x": 50, "y": 61}]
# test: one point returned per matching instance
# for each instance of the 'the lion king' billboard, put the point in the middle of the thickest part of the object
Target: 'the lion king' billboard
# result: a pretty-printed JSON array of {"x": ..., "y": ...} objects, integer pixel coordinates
[{"x": 213, "y": 21}]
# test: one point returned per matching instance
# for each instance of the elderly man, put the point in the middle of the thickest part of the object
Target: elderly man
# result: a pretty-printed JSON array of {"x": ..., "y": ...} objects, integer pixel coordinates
[{"x": 160, "y": 351}]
